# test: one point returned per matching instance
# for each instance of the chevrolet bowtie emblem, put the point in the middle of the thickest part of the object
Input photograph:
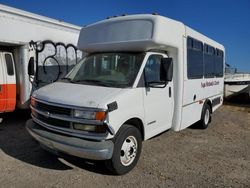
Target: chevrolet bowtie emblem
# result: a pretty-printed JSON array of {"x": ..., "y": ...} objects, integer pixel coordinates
[{"x": 47, "y": 114}]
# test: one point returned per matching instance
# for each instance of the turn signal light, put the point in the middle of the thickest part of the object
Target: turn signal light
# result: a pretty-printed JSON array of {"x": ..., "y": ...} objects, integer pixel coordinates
[{"x": 100, "y": 116}]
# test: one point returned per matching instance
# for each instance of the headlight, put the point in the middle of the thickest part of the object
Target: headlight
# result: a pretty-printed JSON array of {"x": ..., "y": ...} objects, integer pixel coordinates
[
  {"x": 89, "y": 115},
  {"x": 84, "y": 114}
]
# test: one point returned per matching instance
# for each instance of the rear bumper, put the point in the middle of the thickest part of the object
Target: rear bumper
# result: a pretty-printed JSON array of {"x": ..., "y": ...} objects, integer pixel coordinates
[{"x": 71, "y": 145}]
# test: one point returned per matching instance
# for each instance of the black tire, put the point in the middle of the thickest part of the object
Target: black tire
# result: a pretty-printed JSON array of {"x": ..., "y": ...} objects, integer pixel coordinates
[
  {"x": 115, "y": 164},
  {"x": 204, "y": 122}
]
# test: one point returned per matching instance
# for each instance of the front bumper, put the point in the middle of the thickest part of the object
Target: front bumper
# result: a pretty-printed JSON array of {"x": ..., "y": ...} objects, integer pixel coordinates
[{"x": 71, "y": 145}]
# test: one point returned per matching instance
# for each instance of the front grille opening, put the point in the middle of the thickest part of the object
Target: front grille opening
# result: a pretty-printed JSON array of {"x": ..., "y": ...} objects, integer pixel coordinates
[
  {"x": 52, "y": 121},
  {"x": 52, "y": 109}
]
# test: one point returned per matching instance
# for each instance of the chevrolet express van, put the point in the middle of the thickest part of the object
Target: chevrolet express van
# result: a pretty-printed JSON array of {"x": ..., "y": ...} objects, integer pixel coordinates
[{"x": 143, "y": 74}]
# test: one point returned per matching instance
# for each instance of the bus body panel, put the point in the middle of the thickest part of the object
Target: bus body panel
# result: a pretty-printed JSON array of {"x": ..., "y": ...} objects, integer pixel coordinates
[
  {"x": 19, "y": 28},
  {"x": 8, "y": 83},
  {"x": 2, "y": 85},
  {"x": 196, "y": 91}
]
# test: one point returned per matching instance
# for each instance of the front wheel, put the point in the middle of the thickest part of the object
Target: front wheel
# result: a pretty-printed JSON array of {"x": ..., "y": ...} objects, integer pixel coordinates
[{"x": 127, "y": 150}]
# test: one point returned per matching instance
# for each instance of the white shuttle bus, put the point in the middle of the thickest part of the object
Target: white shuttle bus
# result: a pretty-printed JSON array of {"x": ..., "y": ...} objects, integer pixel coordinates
[{"x": 143, "y": 75}]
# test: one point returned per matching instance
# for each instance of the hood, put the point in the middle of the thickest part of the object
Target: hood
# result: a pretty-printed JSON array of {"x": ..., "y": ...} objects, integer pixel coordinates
[{"x": 76, "y": 94}]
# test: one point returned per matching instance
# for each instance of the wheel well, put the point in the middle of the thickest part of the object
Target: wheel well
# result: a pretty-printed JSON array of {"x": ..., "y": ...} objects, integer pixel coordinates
[
  {"x": 138, "y": 124},
  {"x": 210, "y": 104}
]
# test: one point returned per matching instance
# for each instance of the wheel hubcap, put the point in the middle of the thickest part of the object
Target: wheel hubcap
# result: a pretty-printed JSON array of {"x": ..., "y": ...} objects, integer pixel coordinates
[
  {"x": 128, "y": 150},
  {"x": 207, "y": 117}
]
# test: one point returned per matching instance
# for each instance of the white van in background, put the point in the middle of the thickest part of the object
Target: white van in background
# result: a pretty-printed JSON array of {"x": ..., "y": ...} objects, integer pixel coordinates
[
  {"x": 144, "y": 74},
  {"x": 34, "y": 51}
]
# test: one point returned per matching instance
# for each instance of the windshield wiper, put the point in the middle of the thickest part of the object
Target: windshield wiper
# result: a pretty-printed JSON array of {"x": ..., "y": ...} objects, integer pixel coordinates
[
  {"x": 117, "y": 84},
  {"x": 98, "y": 82}
]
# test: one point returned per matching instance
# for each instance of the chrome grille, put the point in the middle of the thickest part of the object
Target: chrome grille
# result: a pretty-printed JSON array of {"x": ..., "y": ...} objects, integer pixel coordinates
[
  {"x": 51, "y": 115},
  {"x": 52, "y": 109},
  {"x": 59, "y": 119},
  {"x": 52, "y": 121}
]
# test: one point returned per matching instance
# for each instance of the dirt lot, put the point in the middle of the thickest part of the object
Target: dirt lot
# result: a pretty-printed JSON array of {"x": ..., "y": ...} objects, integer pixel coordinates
[{"x": 216, "y": 157}]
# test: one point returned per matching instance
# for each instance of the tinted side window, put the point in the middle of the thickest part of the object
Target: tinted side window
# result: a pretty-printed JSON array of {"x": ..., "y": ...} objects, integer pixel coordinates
[
  {"x": 152, "y": 68},
  {"x": 219, "y": 63},
  {"x": 194, "y": 58},
  {"x": 209, "y": 58},
  {"x": 9, "y": 64}
]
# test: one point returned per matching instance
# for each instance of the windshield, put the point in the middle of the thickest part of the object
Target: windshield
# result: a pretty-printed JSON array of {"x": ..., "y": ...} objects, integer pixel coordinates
[{"x": 107, "y": 69}]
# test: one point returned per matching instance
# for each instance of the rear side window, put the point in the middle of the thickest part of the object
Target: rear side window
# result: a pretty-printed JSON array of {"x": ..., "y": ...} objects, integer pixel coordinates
[
  {"x": 194, "y": 58},
  {"x": 9, "y": 64},
  {"x": 209, "y": 58},
  {"x": 219, "y": 63},
  {"x": 203, "y": 60}
]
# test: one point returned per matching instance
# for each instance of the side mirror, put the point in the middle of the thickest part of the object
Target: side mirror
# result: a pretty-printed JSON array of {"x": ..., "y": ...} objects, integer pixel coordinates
[
  {"x": 31, "y": 67},
  {"x": 166, "y": 69}
]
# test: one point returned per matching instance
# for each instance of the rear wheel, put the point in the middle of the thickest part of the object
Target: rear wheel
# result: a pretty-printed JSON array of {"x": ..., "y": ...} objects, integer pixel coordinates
[
  {"x": 127, "y": 150},
  {"x": 205, "y": 116}
]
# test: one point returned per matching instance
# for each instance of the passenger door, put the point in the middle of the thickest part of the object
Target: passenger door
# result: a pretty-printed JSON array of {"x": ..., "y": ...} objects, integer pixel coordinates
[
  {"x": 158, "y": 102},
  {"x": 7, "y": 82}
]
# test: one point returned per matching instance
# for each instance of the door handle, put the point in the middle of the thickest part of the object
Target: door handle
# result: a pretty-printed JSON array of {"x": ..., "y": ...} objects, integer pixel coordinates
[
  {"x": 169, "y": 92},
  {"x": 0, "y": 88}
]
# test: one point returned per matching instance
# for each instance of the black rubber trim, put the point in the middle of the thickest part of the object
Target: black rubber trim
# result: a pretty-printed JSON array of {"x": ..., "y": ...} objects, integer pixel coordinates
[{"x": 112, "y": 106}]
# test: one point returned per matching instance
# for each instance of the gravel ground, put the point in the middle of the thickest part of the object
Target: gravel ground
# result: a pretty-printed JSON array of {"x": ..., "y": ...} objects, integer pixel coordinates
[{"x": 216, "y": 157}]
